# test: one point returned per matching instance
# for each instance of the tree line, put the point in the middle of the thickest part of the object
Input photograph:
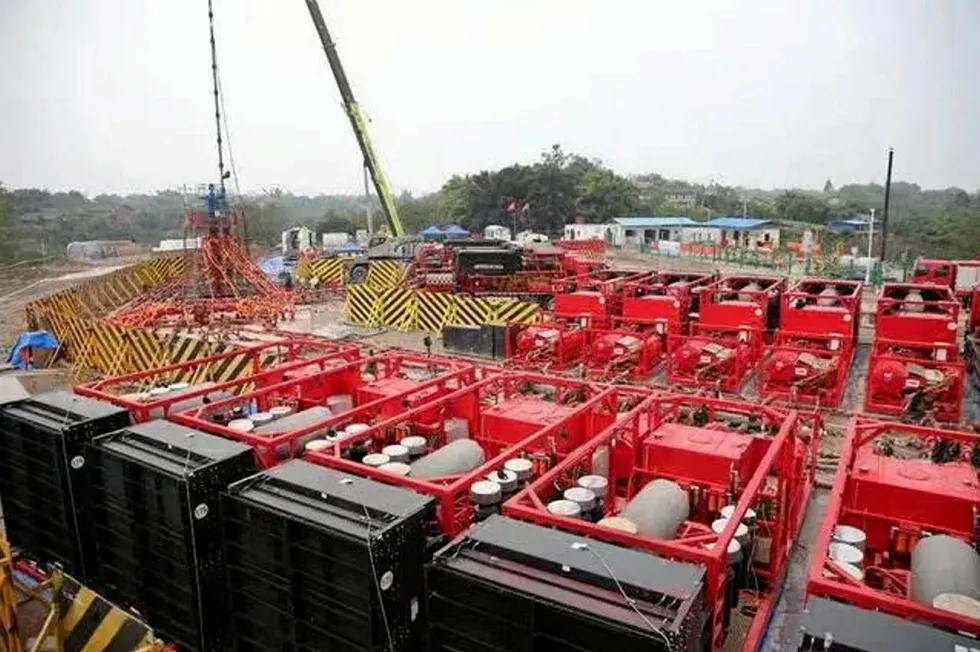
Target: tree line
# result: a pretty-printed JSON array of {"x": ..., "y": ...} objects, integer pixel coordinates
[{"x": 541, "y": 196}]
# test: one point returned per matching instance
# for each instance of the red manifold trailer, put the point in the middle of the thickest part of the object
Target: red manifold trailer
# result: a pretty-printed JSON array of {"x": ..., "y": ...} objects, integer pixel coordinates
[
  {"x": 553, "y": 345},
  {"x": 735, "y": 316},
  {"x": 915, "y": 369},
  {"x": 445, "y": 446},
  {"x": 899, "y": 537},
  {"x": 814, "y": 348},
  {"x": 718, "y": 483},
  {"x": 155, "y": 393},
  {"x": 597, "y": 296},
  {"x": 279, "y": 420}
]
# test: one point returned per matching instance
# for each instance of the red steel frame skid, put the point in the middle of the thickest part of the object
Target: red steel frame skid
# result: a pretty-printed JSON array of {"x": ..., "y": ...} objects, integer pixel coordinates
[
  {"x": 581, "y": 410},
  {"x": 597, "y": 296},
  {"x": 669, "y": 297},
  {"x": 268, "y": 363},
  {"x": 731, "y": 317},
  {"x": 928, "y": 339},
  {"x": 944, "y": 401},
  {"x": 313, "y": 390},
  {"x": 894, "y": 511},
  {"x": 550, "y": 352},
  {"x": 609, "y": 361},
  {"x": 789, "y": 453},
  {"x": 827, "y": 332}
]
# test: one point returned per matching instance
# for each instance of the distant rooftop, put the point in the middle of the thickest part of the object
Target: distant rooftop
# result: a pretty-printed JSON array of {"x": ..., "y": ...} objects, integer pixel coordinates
[
  {"x": 736, "y": 222},
  {"x": 654, "y": 222}
]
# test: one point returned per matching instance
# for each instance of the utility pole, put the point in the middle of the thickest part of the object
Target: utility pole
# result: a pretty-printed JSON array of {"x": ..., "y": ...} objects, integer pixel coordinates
[
  {"x": 871, "y": 239},
  {"x": 888, "y": 194}
]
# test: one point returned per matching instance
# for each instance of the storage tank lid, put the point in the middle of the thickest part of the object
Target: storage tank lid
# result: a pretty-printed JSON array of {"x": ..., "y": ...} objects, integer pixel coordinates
[
  {"x": 506, "y": 479},
  {"x": 741, "y": 532},
  {"x": 584, "y": 498},
  {"x": 396, "y": 468},
  {"x": 844, "y": 552},
  {"x": 734, "y": 550},
  {"x": 850, "y": 569},
  {"x": 520, "y": 466},
  {"x": 728, "y": 510},
  {"x": 159, "y": 391},
  {"x": 241, "y": 425},
  {"x": 317, "y": 445},
  {"x": 356, "y": 428},
  {"x": 485, "y": 492},
  {"x": 375, "y": 459},
  {"x": 396, "y": 452},
  {"x": 178, "y": 387},
  {"x": 415, "y": 445},
  {"x": 850, "y": 535},
  {"x": 594, "y": 483},
  {"x": 564, "y": 508}
]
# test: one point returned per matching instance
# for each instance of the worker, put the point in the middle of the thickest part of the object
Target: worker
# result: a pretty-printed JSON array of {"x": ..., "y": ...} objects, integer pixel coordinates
[{"x": 427, "y": 343}]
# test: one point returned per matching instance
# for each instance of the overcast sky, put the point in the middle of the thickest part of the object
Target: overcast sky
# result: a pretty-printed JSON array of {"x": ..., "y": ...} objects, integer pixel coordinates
[{"x": 114, "y": 95}]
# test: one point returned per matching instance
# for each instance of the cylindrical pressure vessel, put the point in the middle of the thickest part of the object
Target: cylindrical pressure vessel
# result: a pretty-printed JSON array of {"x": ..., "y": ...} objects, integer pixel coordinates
[
  {"x": 658, "y": 509},
  {"x": 944, "y": 564},
  {"x": 460, "y": 456}
]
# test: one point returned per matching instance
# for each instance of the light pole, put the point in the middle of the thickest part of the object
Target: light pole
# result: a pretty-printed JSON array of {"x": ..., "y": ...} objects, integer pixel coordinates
[{"x": 871, "y": 234}]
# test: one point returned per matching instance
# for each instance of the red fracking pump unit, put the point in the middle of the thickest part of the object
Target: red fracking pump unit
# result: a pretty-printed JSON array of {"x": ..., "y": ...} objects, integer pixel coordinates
[
  {"x": 814, "y": 347},
  {"x": 961, "y": 276},
  {"x": 720, "y": 484},
  {"x": 915, "y": 370},
  {"x": 548, "y": 345},
  {"x": 727, "y": 341},
  {"x": 155, "y": 393},
  {"x": 278, "y": 420},
  {"x": 896, "y": 560},
  {"x": 668, "y": 298},
  {"x": 623, "y": 354},
  {"x": 507, "y": 429},
  {"x": 597, "y": 296}
]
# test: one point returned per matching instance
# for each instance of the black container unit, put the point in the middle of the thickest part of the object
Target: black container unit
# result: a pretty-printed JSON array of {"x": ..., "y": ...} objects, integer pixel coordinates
[
  {"x": 42, "y": 475},
  {"x": 155, "y": 504},
  {"x": 510, "y": 586},
  {"x": 323, "y": 561},
  {"x": 831, "y": 625}
]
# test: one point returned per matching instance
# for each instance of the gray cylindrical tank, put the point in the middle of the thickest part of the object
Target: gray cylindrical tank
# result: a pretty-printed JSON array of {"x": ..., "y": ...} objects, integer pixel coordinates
[
  {"x": 600, "y": 461},
  {"x": 658, "y": 509},
  {"x": 944, "y": 564},
  {"x": 460, "y": 456},
  {"x": 828, "y": 297}
]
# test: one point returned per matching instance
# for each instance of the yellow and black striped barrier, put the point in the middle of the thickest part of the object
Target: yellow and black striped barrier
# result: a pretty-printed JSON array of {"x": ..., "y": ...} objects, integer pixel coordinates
[
  {"x": 419, "y": 310},
  {"x": 90, "y": 623},
  {"x": 327, "y": 272},
  {"x": 386, "y": 274}
]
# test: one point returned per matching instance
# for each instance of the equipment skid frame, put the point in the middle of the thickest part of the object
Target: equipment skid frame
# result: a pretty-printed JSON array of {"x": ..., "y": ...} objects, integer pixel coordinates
[{"x": 783, "y": 479}]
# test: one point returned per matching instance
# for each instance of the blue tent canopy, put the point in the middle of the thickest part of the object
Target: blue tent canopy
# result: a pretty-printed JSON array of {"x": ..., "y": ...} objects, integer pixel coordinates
[
  {"x": 34, "y": 340},
  {"x": 441, "y": 232}
]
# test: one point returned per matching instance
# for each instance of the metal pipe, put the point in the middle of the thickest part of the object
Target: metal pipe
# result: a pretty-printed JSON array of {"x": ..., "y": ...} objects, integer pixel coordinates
[{"x": 888, "y": 194}]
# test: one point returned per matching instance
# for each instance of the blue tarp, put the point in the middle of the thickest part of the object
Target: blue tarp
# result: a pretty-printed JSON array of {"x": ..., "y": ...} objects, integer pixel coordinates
[
  {"x": 272, "y": 267},
  {"x": 33, "y": 339}
]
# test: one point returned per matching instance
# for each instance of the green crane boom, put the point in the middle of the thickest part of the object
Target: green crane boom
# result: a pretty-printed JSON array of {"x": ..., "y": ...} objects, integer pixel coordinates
[{"x": 358, "y": 122}]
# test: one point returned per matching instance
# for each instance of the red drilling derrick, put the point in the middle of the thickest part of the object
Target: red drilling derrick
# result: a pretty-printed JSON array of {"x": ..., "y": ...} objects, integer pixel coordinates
[
  {"x": 735, "y": 317},
  {"x": 221, "y": 284},
  {"x": 814, "y": 348},
  {"x": 895, "y": 565},
  {"x": 720, "y": 484},
  {"x": 441, "y": 448},
  {"x": 915, "y": 369}
]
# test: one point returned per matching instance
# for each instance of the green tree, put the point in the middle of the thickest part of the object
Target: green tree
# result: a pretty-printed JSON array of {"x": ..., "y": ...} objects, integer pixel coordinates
[
  {"x": 602, "y": 195},
  {"x": 828, "y": 188},
  {"x": 801, "y": 206}
]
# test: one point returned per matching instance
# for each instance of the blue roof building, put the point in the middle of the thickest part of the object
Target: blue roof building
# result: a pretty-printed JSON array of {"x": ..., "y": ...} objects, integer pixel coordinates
[{"x": 737, "y": 223}]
